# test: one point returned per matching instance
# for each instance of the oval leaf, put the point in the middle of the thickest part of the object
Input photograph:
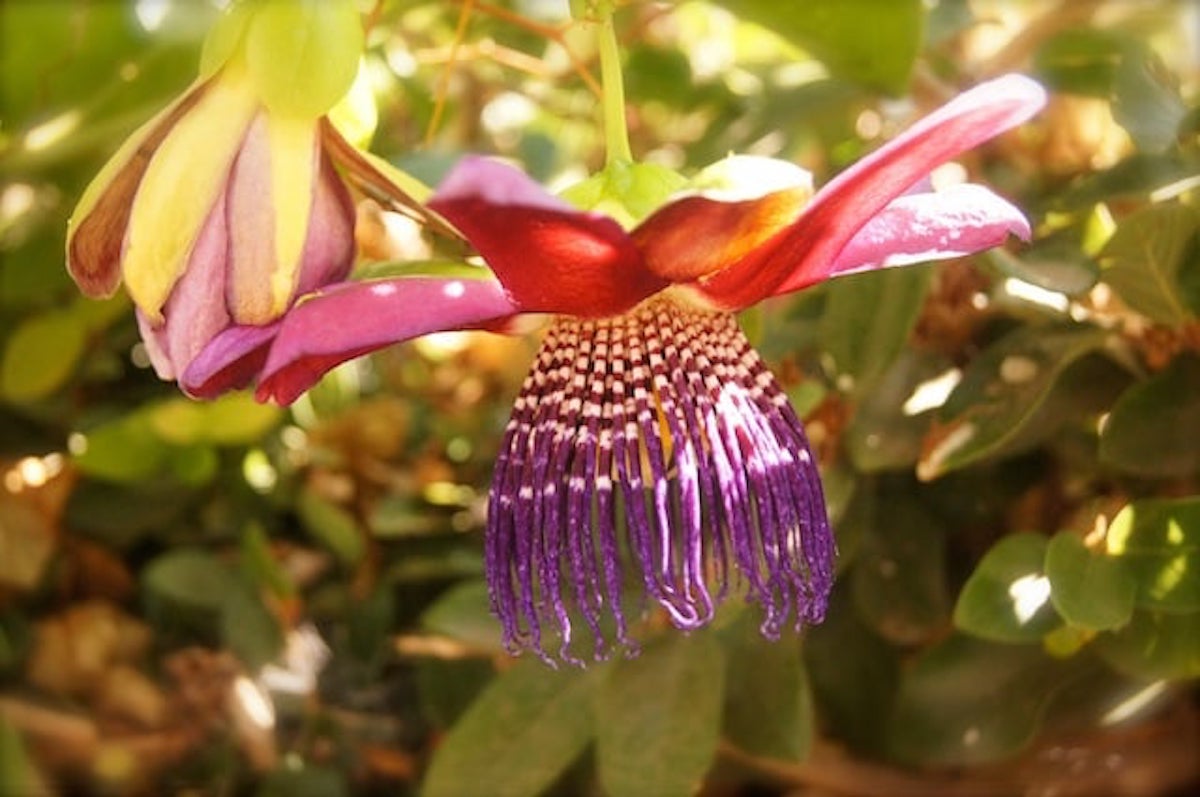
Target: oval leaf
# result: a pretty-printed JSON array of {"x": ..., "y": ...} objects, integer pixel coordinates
[
  {"x": 1159, "y": 542},
  {"x": 41, "y": 355},
  {"x": 518, "y": 737},
  {"x": 1090, "y": 590},
  {"x": 1007, "y": 598},
  {"x": 1143, "y": 258},
  {"x": 1154, "y": 427},
  {"x": 659, "y": 716}
]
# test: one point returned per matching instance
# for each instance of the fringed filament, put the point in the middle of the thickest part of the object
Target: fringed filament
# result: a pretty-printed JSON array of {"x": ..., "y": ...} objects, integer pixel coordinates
[{"x": 658, "y": 439}]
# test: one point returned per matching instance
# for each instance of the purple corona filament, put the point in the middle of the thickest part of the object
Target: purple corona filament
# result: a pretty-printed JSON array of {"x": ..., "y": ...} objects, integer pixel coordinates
[{"x": 659, "y": 432}]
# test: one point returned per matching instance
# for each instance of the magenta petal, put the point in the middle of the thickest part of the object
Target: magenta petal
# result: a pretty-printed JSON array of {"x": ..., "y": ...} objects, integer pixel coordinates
[
  {"x": 350, "y": 319},
  {"x": 548, "y": 256},
  {"x": 808, "y": 251},
  {"x": 916, "y": 228},
  {"x": 230, "y": 361}
]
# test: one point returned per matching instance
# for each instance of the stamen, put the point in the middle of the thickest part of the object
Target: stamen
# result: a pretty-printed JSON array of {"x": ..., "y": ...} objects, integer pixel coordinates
[{"x": 659, "y": 439}]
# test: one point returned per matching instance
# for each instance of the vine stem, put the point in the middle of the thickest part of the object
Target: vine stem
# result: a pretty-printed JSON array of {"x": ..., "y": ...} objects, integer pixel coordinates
[{"x": 616, "y": 133}]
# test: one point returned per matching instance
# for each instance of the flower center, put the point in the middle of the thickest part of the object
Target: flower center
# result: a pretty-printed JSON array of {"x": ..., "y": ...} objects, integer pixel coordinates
[{"x": 658, "y": 438}]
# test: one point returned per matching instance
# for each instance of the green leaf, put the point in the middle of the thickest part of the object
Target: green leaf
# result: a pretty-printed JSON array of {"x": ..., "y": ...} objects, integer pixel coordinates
[
  {"x": 1153, "y": 428},
  {"x": 125, "y": 450},
  {"x": 41, "y": 354},
  {"x": 332, "y": 526},
  {"x": 247, "y": 627},
  {"x": 1159, "y": 542},
  {"x": 1142, "y": 260},
  {"x": 464, "y": 613},
  {"x": 867, "y": 321},
  {"x": 768, "y": 705},
  {"x": 234, "y": 419},
  {"x": 18, "y": 772},
  {"x": 879, "y": 54},
  {"x": 518, "y": 737},
  {"x": 899, "y": 579},
  {"x": 304, "y": 780},
  {"x": 965, "y": 701},
  {"x": 1054, "y": 264},
  {"x": 188, "y": 577},
  {"x": 1155, "y": 645},
  {"x": 658, "y": 717},
  {"x": 1079, "y": 61},
  {"x": 1143, "y": 102},
  {"x": 1004, "y": 401},
  {"x": 1089, "y": 589},
  {"x": 885, "y": 433},
  {"x": 1007, "y": 598}
]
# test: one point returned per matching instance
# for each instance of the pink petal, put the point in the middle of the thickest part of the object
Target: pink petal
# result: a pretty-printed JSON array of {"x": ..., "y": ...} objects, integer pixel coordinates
[
  {"x": 230, "y": 361},
  {"x": 807, "y": 252},
  {"x": 350, "y": 319},
  {"x": 548, "y": 256},
  {"x": 195, "y": 311},
  {"x": 329, "y": 243},
  {"x": 916, "y": 228}
]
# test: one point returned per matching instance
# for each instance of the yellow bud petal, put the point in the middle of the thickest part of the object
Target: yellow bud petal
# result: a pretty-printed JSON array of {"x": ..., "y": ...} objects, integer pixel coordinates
[{"x": 183, "y": 180}]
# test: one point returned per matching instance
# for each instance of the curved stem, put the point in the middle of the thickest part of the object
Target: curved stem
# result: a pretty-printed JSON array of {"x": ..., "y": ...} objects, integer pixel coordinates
[{"x": 616, "y": 135}]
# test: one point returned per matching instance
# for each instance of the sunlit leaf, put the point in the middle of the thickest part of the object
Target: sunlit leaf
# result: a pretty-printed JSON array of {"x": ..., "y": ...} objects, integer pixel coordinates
[
  {"x": 1159, "y": 542},
  {"x": 518, "y": 736},
  {"x": 41, "y": 354},
  {"x": 1007, "y": 598},
  {"x": 641, "y": 747},
  {"x": 1143, "y": 259},
  {"x": 1089, "y": 589},
  {"x": 1155, "y": 645},
  {"x": 879, "y": 55},
  {"x": 124, "y": 450},
  {"x": 233, "y": 419}
]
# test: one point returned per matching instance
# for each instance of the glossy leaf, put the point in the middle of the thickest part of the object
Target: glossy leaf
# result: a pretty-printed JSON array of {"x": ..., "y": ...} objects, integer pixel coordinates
[
  {"x": 1153, "y": 428},
  {"x": 1143, "y": 259},
  {"x": 1158, "y": 540},
  {"x": 518, "y": 737},
  {"x": 1007, "y": 598},
  {"x": 640, "y": 747},
  {"x": 768, "y": 704},
  {"x": 1003, "y": 401},
  {"x": 1089, "y": 589},
  {"x": 886, "y": 432}
]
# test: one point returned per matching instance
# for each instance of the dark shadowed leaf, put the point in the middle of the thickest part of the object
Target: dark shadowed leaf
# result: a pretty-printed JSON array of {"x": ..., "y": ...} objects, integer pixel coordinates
[
  {"x": 899, "y": 579},
  {"x": 768, "y": 705},
  {"x": 886, "y": 431},
  {"x": 332, "y": 526},
  {"x": 1007, "y": 598},
  {"x": 642, "y": 747},
  {"x": 1088, "y": 588},
  {"x": 1154, "y": 427},
  {"x": 854, "y": 675},
  {"x": 1158, "y": 540},
  {"x": 867, "y": 321},
  {"x": 518, "y": 736},
  {"x": 965, "y": 701}
]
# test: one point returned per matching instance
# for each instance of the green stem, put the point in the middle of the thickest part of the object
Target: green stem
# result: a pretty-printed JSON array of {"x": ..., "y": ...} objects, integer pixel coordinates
[{"x": 616, "y": 136}]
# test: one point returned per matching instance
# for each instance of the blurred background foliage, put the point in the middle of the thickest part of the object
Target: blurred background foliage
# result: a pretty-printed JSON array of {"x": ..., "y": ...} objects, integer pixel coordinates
[{"x": 231, "y": 599}]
